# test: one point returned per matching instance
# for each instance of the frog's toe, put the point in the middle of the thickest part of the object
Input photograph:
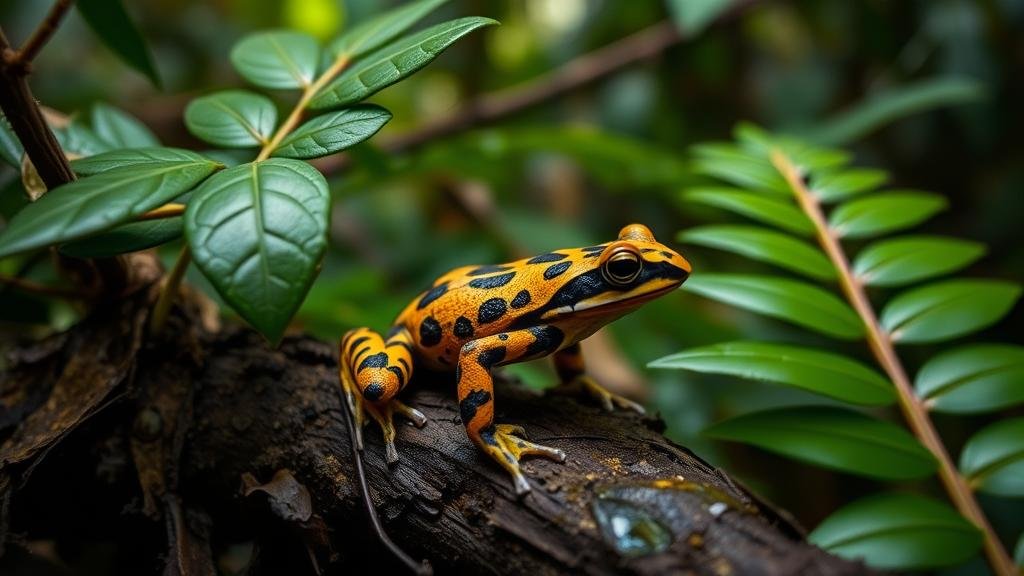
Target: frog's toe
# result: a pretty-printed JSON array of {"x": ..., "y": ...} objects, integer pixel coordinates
[
  {"x": 413, "y": 415},
  {"x": 507, "y": 447},
  {"x": 608, "y": 400}
]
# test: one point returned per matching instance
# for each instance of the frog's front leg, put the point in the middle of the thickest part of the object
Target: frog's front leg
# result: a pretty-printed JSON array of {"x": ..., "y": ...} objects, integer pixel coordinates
[
  {"x": 373, "y": 370},
  {"x": 571, "y": 371},
  {"x": 504, "y": 443}
]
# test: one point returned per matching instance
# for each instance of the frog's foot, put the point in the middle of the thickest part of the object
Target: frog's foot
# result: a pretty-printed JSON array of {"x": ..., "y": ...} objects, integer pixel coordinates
[
  {"x": 610, "y": 401},
  {"x": 383, "y": 414},
  {"x": 506, "y": 444}
]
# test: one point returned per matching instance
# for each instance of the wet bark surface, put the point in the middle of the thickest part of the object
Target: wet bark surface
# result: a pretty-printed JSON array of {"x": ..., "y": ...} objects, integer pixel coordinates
[{"x": 199, "y": 451}]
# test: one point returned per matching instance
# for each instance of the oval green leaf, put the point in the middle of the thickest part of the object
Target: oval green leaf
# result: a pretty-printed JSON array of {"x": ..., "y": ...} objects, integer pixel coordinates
[
  {"x": 768, "y": 210},
  {"x": 908, "y": 259},
  {"x": 794, "y": 301},
  {"x": 834, "y": 438},
  {"x": 993, "y": 459},
  {"x": 976, "y": 378},
  {"x": 126, "y": 238},
  {"x": 764, "y": 245},
  {"x": 118, "y": 129},
  {"x": 739, "y": 167},
  {"x": 258, "y": 232},
  {"x": 947, "y": 309},
  {"x": 394, "y": 62},
  {"x": 333, "y": 132},
  {"x": 898, "y": 532},
  {"x": 277, "y": 59},
  {"x": 100, "y": 202},
  {"x": 884, "y": 212},
  {"x": 75, "y": 138},
  {"x": 812, "y": 370},
  {"x": 109, "y": 20},
  {"x": 835, "y": 186},
  {"x": 133, "y": 157},
  {"x": 232, "y": 118},
  {"x": 10, "y": 147},
  {"x": 375, "y": 32}
]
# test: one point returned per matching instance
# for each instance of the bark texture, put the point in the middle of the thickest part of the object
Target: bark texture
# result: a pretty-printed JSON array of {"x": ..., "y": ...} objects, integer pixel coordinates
[{"x": 202, "y": 450}]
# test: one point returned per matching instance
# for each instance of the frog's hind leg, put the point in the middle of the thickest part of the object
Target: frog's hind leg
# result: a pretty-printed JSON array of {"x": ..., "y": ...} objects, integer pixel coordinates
[
  {"x": 571, "y": 371},
  {"x": 373, "y": 370}
]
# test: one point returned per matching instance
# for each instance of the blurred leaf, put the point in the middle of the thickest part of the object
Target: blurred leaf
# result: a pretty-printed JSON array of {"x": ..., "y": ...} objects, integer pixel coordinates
[
  {"x": 97, "y": 203},
  {"x": 132, "y": 157},
  {"x": 10, "y": 146},
  {"x": 258, "y": 233},
  {"x": 320, "y": 18},
  {"x": 993, "y": 459},
  {"x": 790, "y": 300},
  {"x": 806, "y": 157},
  {"x": 232, "y": 118},
  {"x": 898, "y": 532},
  {"x": 126, "y": 238},
  {"x": 894, "y": 104},
  {"x": 908, "y": 259},
  {"x": 76, "y": 138},
  {"x": 768, "y": 210},
  {"x": 840, "y": 185},
  {"x": 947, "y": 309},
  {"x": 974, "y": 378},
  {"x": 394, "y": 62},
  {"x": 813, "y": 370},
  {"x": 764, "y": 245},
  {"x": 118, "y": 129},
  {"x": 738, "y": 167},
  {"x": 835, "y": 438},
  {"x": 884, "y": 212},
  {"x": 1018, "y": 552},
  {"x": 277, "y": 59},
  {"x": 333, "y": 132},
  {"x": 692, "y": 16},
  {"x": 111, "y": 23},
  {"x": 381, "y": 29}
]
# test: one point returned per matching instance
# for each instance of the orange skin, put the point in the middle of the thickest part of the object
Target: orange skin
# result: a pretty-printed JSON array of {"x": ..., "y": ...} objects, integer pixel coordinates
[{"x": 477, "y": 317}]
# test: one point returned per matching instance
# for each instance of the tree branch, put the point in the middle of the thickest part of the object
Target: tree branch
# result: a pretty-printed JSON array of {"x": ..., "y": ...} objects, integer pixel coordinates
[{"x": 28, "y": 51}]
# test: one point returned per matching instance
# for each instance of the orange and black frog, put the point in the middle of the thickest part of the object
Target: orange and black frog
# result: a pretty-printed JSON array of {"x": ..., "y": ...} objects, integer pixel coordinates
[{"x": 475, "y": 318}]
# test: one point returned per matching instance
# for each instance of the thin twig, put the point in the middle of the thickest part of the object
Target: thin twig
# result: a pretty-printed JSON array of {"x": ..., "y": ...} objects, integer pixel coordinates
[
  {"x": 881, "y": 346},
  {"x": 42, "y": 289},
  {"x": 28, "y": 51},
  {"x": 165, "y": 211},
  {"x": 169, "y": 291}
]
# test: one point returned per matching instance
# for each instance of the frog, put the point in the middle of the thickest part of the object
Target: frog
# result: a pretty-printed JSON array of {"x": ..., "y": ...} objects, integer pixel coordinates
[{"x": 476, "y": 318}]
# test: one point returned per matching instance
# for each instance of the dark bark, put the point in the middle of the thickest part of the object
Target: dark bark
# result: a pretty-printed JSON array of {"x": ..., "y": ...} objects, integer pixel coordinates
[{"x": 179, "y": 447}]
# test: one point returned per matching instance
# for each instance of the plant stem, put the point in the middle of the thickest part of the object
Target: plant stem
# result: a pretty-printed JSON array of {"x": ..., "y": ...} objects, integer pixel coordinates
[
  {"x": 881, "y": 346},
  {"x": 28, "y": 51},
  {"x": 43, "y": 289},
  {"x": 170, "y": 287},
  {"x": 169, "y": 290}
]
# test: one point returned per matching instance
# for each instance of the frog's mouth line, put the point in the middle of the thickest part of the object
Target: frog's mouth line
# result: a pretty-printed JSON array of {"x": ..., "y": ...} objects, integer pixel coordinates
[{"x": 671, "y": 276}]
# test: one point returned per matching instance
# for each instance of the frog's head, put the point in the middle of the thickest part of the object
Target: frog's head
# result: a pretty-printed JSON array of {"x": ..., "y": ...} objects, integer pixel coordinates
[{"x": 617, "y": 277}]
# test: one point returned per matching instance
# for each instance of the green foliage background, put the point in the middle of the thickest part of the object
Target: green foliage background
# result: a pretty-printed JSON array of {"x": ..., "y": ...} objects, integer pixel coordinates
[{"x": 927, "y": 91}]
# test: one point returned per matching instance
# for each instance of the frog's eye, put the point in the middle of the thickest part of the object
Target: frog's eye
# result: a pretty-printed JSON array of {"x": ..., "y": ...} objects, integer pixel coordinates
[{"x": 622, "y": 265}]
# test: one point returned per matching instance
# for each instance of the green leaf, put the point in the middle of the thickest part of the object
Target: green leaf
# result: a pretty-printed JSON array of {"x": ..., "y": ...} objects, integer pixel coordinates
[
  {"x": 100, "y": 202},
  {"x": 898, "y": 532},
  {"x": 790, "y": 300},
  {"x": 118, "y": 129},
  {"x": 77, "y": 138},
  {"x": 692, "y": 16},
  {"x": 893, "y": 104},
  {"x": 10, "y": 146},
  {"x": 840, "y": 185},
  {"x": 1018, "y": 552},
  {"x": 258, "y": 232},
  {"x": 739, "y": 167},
  {"x": 947, "y": 309},
  {"x": 232, "y": 118},
  {"x": 394, "y": 62},
  {"x": 768, "y": 210},
  {"x": 277, "y": 59},
  {"x": 908, "y": 259},
  {"x": 812, "y": 370},
  {"x": 764, "y": 245},
  {"x": 834, "y": 438},
  {"x": 111, "y": 23},
  {"x": 126, "y": 238},
  {"x": 976, "y": 378},
  {"x": 993, "y": 459},
  {"x": 132, "y": 157},
  {"x": 333, "y": 132},
  {"x": 884, "y": 212},
  {"x": 381, "y": 29}
]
